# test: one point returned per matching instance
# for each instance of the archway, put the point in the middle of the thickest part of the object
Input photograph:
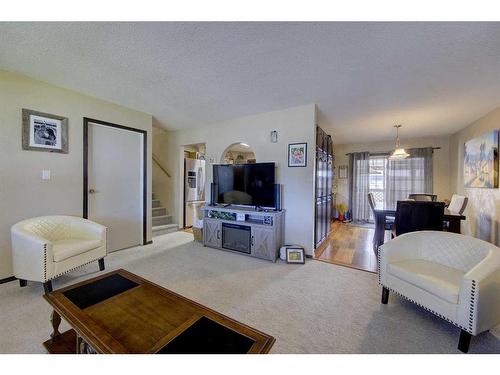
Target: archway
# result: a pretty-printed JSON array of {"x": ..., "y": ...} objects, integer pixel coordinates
[{"x": 238, "y": 153}]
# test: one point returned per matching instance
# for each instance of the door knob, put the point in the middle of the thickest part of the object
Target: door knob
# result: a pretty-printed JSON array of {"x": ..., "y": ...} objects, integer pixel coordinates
[{"x": 91, "y": 191}]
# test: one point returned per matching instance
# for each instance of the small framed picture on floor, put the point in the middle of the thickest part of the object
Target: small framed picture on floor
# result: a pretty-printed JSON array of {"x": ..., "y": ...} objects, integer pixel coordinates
[{"x": 295, "y": 254}]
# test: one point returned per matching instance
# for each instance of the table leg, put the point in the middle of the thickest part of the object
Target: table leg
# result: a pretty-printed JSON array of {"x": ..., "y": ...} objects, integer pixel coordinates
[
  {"x": 79, "y": 344},
  {"x": 379, "y": 230},
  {"x": 55, "y": 319},
  {"x": 454, "y": 226}
]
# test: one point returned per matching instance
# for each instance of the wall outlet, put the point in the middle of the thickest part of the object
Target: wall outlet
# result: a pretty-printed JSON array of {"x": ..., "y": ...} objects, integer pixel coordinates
[{"x": 46, "y": 174}]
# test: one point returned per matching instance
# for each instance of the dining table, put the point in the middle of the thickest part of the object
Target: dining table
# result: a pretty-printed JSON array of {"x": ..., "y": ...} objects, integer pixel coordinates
[{"x": 381, "y": 214}]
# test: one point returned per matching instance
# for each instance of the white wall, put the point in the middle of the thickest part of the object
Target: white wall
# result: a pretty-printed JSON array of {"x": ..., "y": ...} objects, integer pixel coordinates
[
  {"x": 293, "y": 125},
  {"x": 22, "y": 192},
  {"x": 441, "y": 165},
  {"x": 483, "y": 209}
]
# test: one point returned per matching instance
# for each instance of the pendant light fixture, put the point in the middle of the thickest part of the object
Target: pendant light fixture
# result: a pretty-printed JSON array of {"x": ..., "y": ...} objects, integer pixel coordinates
[{"x": 399, "y": 152}]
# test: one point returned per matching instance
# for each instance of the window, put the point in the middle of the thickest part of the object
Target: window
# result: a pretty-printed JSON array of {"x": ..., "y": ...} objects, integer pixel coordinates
[
  {"x": 388, "y": 180},
  {"x": 409, "y": 176},
  {"x": 376, "y": 179}
]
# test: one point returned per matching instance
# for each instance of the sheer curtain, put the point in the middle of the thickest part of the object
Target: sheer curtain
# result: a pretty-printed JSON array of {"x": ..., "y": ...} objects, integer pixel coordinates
[
  {"x": 412, "y": 175},
  {"x": 359, "y": 183}
]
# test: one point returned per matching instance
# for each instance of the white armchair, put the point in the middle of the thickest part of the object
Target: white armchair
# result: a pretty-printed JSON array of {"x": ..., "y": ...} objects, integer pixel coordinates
[
  {"x": 46, "y": 247},
  {"x": 454, "y": 276}
]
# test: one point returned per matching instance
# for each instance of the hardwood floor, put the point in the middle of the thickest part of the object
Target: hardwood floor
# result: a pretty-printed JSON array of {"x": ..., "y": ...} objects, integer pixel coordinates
[{"x": 349, "y": 245}]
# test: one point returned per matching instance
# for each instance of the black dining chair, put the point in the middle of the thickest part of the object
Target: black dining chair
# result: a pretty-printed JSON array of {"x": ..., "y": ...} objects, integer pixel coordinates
[
  {"x": 413, "y": 216},
  {"x": 423, "y": 197}
]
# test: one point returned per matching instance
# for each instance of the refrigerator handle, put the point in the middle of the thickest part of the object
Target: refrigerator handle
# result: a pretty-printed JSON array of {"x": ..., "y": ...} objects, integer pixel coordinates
[{"x": 201, "y": 183}]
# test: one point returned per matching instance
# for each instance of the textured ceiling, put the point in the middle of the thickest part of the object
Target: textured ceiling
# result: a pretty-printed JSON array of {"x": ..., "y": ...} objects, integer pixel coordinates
[{"x": 434, "y": 78}]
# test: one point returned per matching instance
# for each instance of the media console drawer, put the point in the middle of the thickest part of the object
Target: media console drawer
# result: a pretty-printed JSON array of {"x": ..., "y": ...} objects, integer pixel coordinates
[{"x": 256, "y": 218}]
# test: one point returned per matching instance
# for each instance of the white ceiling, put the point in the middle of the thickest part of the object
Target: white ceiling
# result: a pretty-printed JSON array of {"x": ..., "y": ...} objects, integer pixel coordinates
[{"x": 434, "y": 78}]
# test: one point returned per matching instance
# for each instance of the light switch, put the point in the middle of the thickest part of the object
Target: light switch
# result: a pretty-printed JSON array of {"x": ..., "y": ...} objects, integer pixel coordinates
[{"x": 46, "y": 174}]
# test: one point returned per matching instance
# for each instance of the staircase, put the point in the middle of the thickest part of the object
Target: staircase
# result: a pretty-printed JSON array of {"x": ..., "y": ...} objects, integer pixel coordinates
[{"x": 162, "y": 222}]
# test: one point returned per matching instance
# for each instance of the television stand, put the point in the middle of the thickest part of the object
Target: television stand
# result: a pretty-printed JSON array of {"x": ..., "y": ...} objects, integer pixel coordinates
[{"x": 244, "y": 231}]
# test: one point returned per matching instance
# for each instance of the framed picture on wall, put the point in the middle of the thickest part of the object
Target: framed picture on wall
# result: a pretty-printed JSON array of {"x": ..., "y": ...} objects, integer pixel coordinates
[
  {"x": 297, "y": 155},
  {"x": 481, "y": 161},
  {"x": 342, "y": 171},
  {"x": 44, "y": 132}
]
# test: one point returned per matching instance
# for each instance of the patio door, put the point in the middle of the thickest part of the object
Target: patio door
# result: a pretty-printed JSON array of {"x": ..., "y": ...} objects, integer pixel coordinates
[{"x": 377, "y": 179}]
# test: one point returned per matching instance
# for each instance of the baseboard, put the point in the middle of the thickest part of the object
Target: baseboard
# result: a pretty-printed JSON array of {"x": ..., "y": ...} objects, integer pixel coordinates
[
  {"x": 148, "y": 243},
  {"x": 7, "y": 279},
  {"x": 496, "y": 331}
]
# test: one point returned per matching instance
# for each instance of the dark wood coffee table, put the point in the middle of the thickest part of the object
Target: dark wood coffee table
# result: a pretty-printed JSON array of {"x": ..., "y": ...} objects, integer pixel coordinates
[{"x": 120, "y": 312}]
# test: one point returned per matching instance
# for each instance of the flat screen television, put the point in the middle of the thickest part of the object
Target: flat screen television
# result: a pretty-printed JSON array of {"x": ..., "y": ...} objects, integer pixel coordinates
[{"x": 245, "y": 184}]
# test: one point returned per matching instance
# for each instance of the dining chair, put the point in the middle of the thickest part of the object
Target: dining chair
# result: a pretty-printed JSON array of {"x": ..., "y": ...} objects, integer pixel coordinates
[
  {"x": 458, "y": 204},
  {"x": 423, "y": 197},
  {"x": 389, "y": 220},
  {"x": 413, "y": 216}
]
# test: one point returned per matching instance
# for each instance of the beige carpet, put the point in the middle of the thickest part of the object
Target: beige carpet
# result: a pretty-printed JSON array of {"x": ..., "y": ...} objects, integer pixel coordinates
[{"x": 312, "y": 308}]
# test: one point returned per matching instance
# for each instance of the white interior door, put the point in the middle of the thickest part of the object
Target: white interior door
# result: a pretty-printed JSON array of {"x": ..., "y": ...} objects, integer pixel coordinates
[{"x": 115, "y": 183}]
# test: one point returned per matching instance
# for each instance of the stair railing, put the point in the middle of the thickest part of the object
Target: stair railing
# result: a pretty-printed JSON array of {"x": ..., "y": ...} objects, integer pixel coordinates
[{"x": 158, "y": 163}]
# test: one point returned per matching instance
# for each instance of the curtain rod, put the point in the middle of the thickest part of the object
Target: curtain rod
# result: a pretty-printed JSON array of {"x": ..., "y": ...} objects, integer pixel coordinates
[{"x": 388, "y": 152}]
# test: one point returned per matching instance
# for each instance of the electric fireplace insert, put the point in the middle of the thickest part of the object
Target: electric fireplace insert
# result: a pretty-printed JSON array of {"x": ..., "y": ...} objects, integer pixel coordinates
[{"x": 236, "y": 237}]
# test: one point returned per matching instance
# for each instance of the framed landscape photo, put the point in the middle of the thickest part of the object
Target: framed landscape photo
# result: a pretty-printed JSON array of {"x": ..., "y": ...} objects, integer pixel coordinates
[
  {"x": 481, "y": 161},
  {"x": 44, "y": 132},
  {"x": 297, "y": 155},
  {"x": 295, "y": 254}
]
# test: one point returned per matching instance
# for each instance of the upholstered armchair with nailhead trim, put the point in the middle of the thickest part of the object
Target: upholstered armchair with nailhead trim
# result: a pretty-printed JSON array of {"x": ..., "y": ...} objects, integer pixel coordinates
[
  {"x": 456, "y": 277},
  {"x": 46, "y": 247}
]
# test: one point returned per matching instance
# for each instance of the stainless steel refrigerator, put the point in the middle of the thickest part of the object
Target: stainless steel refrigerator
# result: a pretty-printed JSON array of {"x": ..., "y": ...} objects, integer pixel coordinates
[{"x": 194, "y": 190}]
